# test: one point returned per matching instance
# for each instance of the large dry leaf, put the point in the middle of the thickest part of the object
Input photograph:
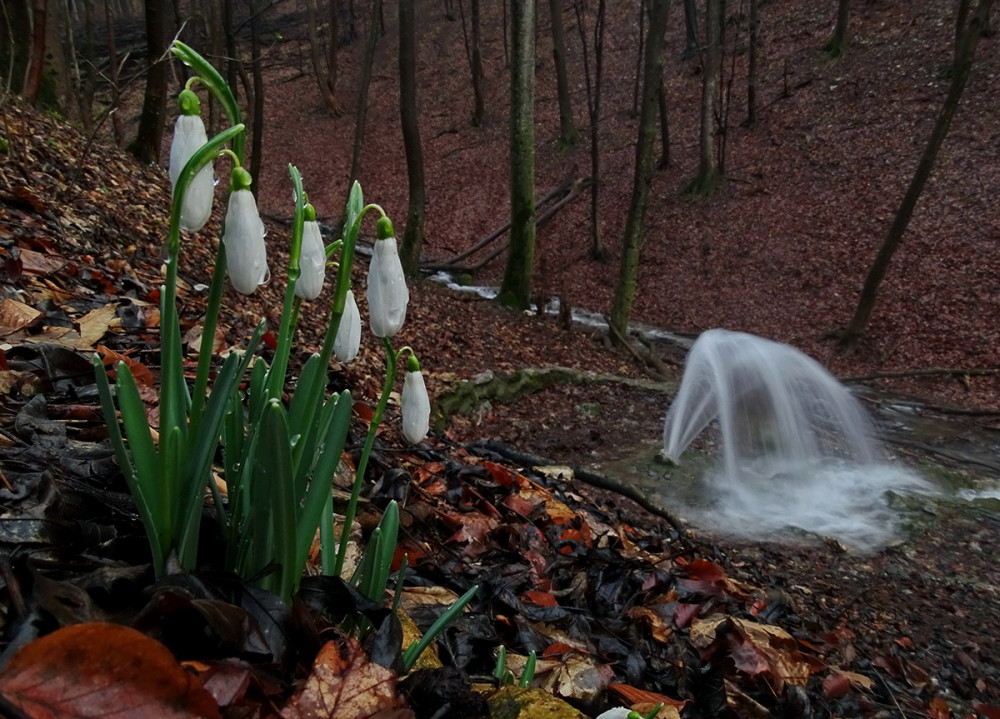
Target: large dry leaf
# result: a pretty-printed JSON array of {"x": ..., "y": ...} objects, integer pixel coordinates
[
  {"x": 345, "y": 685},
  {"x": 16, "y": 315},
  {"x": 95, "y": 323},
  {"x": 87, "y": 670}
]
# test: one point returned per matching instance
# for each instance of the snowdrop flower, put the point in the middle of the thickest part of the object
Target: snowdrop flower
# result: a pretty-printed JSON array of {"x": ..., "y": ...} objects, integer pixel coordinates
[
  {"x": 246, "y": 256},
  {"x": 348, "y": 339},
  {"x": 189, "y": 136},
  {"x": 387, "y": 292},
  {"x": 414, "y": 403},
  {"x": 618, "y": 713},
  {"x": 312, "y": 260}
]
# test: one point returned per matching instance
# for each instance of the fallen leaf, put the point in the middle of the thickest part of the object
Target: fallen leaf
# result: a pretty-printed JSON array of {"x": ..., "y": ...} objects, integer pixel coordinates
[
  {"x": 16, "y": 315},
  {"x": 345, "y": 685},
  {"x": 94, "y": 324},
  {"x": 87, "y": 670}
]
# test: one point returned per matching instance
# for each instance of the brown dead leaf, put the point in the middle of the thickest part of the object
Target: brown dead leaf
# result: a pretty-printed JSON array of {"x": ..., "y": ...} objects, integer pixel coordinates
[
  {"x": 94, "y": 324},
  {"x": 345, "y": 685},
  {"x": 86, "y": 670},
  {"x": 16, "y": 315},
  {"x": 40, "y": 263},
  {"x": 769, "y": 650}
]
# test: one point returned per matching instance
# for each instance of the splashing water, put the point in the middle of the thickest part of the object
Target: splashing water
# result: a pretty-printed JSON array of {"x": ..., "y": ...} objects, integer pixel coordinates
[{"x": 796, "y": 447}]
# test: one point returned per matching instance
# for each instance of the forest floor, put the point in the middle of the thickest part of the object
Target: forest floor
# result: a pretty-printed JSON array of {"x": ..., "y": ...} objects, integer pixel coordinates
[{"x": 780, "y": 250}]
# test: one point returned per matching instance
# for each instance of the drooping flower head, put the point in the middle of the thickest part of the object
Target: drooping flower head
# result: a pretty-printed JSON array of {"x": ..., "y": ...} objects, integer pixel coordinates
[
  {"x": 415, "y": 405},
  {"x": 312, "y": 260},
  {"x": 189, "y": 136},
  {"x": 246, "y": 255},
  {"x": 348, "y": 340},
  {"x": 387, "y": 291}
]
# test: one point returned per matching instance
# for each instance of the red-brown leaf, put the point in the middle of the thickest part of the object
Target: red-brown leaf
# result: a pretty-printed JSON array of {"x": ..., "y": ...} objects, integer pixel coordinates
[{"x": 86, "y": 670}]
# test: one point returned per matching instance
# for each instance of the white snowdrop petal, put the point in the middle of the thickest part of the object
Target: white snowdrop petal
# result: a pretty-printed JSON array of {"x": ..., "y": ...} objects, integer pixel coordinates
[
  {"x": 416, "y": 408},
  {"x": 387, "y": 291},
  {"x": 312, "y": 263},
  {"x": 246, "y": 255},
  {"x": 348, "y": 340},
  {"x": 189, "y": 136},
  {"x": 616, "y": 713}
]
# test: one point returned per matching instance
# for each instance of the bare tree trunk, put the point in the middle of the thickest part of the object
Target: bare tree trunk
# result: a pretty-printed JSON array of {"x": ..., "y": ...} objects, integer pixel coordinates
[
  {"x": 146, "y": 145},
  {"x": 708, "y": 169},
  {"x": 621, "y": 307},
  {"x": 365, "y": 81},
  {"x": 116, "y": 123},
  {"x": 690, "y": 30},
  {"x": 638, "y": 57},
  {"x": 413, "y": 236},
  {"x": 515, "y": 290},
  {"x": 963, "y": 67},
  {"x": 597, "y": 249},
  {"x": 257, "y": 139},
  {"x": 661, "y": 98},
  {"x": 33, "y": 78},
  {"x": 837, "y": 45},
  {"x": 325, "y": 77},
  {"x": 473, "y": 54},
  {"x": 332, "y": 60},
  {"x": 961, "y": 18},
  {"x": 752, "y": 64},
  {"x": 567, "y": 129}
]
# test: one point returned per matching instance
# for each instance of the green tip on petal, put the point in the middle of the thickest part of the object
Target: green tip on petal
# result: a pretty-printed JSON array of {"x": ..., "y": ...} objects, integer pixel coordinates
[
  {"x": 383, "y": 230},
  {"x": 412, "y": 365},
  {"x": 240, "y": 179},
  {"x": 188, "y": 103},
  {"x": 310, "y": 213}
]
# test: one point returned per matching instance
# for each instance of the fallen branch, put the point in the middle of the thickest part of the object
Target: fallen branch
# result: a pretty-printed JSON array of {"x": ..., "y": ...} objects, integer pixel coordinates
[
  {"x": 568, "y": 189},
  {"x": 594, "y": 479},
  {"x": 926, "y": 372}
]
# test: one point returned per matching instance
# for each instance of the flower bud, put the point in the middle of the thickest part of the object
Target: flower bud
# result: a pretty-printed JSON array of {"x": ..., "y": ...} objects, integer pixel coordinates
[
  {"x": 189, "y": 136},
  {"x": 312, "y": 262},
  {"x": 387, "y": 291},
  {"x": 246, "y": 256},
  {"x": 348, "y": 340},
  {"x": 415, "y": 405}
]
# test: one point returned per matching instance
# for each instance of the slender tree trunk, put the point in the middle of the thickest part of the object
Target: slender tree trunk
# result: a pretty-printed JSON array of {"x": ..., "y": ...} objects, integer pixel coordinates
[
  {"x": 963, "y": 67},
  {"x": 661, "y": 98},
  {"x": 639, "y": 56},
  {"x": 837, "y": 45},
  {"x": 332, "y": 60},
  {"x": 366, "y": 77},
  {"x": 413, "y": 237},
  {"x": 256, "y": 141},
  {"x": 515, "y": 290},
  {"x": 597, "y": 250},
  {"x": 621, "y": 307},
  {"x": 690, "y": 30},
  {"x": 232, "y": 69},
  {"x": 567, "y": 128},
  {"x": 33, "y": 78},
  {"x": 961, "y": 18},
  {"x": 116, "y": 123},
  {"x": 479, "y": 108},
  {"x": 752, "y": 64},
  {"x": 708, "y": 168},
  {"x": 146, "y": 145}
]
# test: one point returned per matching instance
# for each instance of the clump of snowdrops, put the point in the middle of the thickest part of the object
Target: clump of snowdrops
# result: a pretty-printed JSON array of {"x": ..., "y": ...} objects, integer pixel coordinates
[{"x": 278, "y": 460}]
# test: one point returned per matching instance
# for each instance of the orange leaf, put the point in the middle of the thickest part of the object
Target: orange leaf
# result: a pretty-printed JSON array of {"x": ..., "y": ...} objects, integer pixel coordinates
[
  {"x": 86, "y": 670},
  {"x": 142, "y": 374},
  {"x": 501, "y": 475},
  {"x": 344, "y": 684},
  {"x": 541, "y": 599},
  {"x": 938, "y": 709},
  {"x": 705, "y": 570},
  {"x": 990, "y": 712}
]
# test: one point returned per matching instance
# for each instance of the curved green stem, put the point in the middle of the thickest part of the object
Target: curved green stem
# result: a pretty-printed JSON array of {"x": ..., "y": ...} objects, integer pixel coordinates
[
  {"x": 216, "y": 85},
  {"x": 276, "y": 375},
  {"x": 359, "y": 476}
]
